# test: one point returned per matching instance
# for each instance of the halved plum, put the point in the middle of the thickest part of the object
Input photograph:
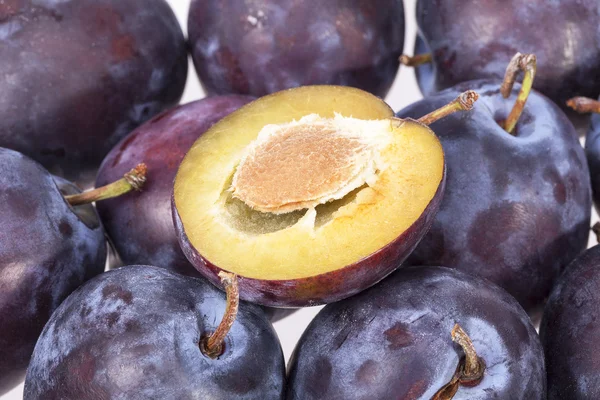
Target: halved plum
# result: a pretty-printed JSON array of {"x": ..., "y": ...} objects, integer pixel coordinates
[{"x": 309, "y": 195}]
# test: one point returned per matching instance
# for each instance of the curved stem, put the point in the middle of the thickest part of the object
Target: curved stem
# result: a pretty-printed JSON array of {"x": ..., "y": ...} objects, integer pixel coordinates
[
  {"x": 212, "y": 346},
  {"x": 416, "y": 60},
  {"x": 520, "y": 62},
  {"x": 132, "y": 180},
  {"x": 469, "y": 371},
  {"x": 473, "y": 366},
  {"x": 464, "y": 102},
  {"x": 584, "y": 105}
]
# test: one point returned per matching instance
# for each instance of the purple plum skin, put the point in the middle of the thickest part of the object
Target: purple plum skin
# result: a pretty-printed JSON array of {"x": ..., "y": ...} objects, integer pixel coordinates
[
  {"x": 80, "y": 75},
  {"x": 592, "y": 152},
  {"x": 46, "y": 252},
  {"x": 265, "y": 46},
  {"x": 393, "y": 341},
  {"x": 471, "y": 39},
  {"x": 570, "y": 331},
  {"x": 134, "y": 333},
  {"x": 140, "y": 225},
  {"x": 516, "y": 209}
]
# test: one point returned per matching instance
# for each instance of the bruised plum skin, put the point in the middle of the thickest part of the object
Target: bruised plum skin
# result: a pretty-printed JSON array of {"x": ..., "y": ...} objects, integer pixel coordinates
[
  {"x": 516, "y": 209},
  {"x": 46, "y": 252},
  {"x": 592, "y": 152},
  {"x": 78, "y": 75},
  {"x": 471, "y": 39},
  {"x": 265, "y": 46},
  {"x": 140, "y": 225},
  {"x": 134, "y": 333},
  {"x": 393, "y": 341},
  {"x": 570, "y": 331}
]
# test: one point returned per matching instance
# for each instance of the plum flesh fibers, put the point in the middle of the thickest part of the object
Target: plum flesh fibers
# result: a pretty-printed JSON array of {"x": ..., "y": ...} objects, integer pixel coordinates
[
  {"x": 46, "y": 252},
  {"x": 135, "y": 333},
  {"x": 141, "y": 225},
  {"x": 265, "y": 46},
  {"x": 517, "y": 208},
  {"x": 393, "y": 341},
  {"x": 80, "y": 75}
]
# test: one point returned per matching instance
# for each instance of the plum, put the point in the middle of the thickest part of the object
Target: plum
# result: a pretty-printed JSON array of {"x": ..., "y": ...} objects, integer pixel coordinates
[
  {"x": 311, "y": 194},
  {"x": 570, "y": 331},
  {"x": 47, "y": 249},
  {"x": 79, "y": 75},
  {"x": 471, "y": 39},
  {"x": 140, "y": 226},
  {"x": 394, "y": 341},
  {"x": 265, "y": 46},
  {"x": 517, "y": 207},
  {"x": 142, "y": 332}
]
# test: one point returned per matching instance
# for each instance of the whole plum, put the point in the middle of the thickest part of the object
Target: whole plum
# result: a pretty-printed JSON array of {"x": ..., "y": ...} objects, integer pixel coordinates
[
  {"x": 47, "y": 249},
  {"x": 79, "y": 75},
  {"x": 264, "y": 46}
]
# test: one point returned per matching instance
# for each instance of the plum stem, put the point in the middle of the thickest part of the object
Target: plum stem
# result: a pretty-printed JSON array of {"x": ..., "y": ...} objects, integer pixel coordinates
[
  {"x": 132, "y": 180},
  {"x": 212, "y": 346},
  {"x": 520, "y": 62},
  {"x": 469, "y": 371},
  {"x": 596, "y": 230},
  {"x": 416, "y": 60},
  {"x": 464, "y": 102},
  {"x": 584, "y": 105}
]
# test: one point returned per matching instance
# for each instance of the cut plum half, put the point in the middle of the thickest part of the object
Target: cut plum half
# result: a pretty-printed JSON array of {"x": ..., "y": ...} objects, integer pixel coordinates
[{"x": 309, "y": 195}]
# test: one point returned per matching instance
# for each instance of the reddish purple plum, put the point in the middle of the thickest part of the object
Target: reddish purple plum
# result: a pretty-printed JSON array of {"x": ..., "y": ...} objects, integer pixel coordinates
[
  {"x": 140, "y": 225},
  {"x": 394, "y": 341},
  {"x": 77, "y": 76},
  {"x": 265, "y": 46},
  {"x": 47, "y": 249}
]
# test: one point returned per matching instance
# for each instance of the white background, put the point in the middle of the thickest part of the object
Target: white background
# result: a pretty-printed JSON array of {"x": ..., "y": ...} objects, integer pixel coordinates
[{"x": 403, "y": 92}]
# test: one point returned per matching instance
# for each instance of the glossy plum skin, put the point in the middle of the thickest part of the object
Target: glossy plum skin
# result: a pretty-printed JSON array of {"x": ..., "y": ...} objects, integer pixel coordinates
[
  {"x": 393, "y": 342},
  {"x": 140, "y": 225},
  {"x": 516, "y": 209},
  {"x": 472, "y": 39},
  {"x": 592, "y": 152},
  {"x": 570, "y": 331},
  {"x": 79, "y": 75},
  {"x": 265, "y": 46},
  {"x": 105, "y": 342},
  {"x": 46, "y": 252}
]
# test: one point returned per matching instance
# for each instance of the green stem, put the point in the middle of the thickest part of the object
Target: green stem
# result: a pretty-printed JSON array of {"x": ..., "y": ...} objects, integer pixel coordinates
[
  {"x": 212, "y": 346},
  {"x": 416, "y": 60},
  {"x": 132, "y": 180},
  {"x": 464, "y": 102},
  {"x": 520, "y": 62}
]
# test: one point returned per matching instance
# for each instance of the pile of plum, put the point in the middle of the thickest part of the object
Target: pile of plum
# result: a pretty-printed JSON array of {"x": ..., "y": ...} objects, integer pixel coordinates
[{"x": 438, "y": 236}]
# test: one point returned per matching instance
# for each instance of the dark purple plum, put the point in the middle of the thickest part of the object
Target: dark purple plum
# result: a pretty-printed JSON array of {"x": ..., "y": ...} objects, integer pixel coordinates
[
  {"x": 472, "y": 39},
  {"x": 46, "y": 252},
  {"x": 517, "y": 208},
  {"x": 79, "y": 75},
  {"x": 570, "y": 331},
  {"x": 135, "y": 333},
  {"x": 265, "y": 46},
  {"x": 393, "y": 341},
  {"x": 140, "y": 225}
]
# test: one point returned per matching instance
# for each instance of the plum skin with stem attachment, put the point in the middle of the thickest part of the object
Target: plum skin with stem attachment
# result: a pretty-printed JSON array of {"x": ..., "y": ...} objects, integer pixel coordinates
[{"x": 519, "y": 195}]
